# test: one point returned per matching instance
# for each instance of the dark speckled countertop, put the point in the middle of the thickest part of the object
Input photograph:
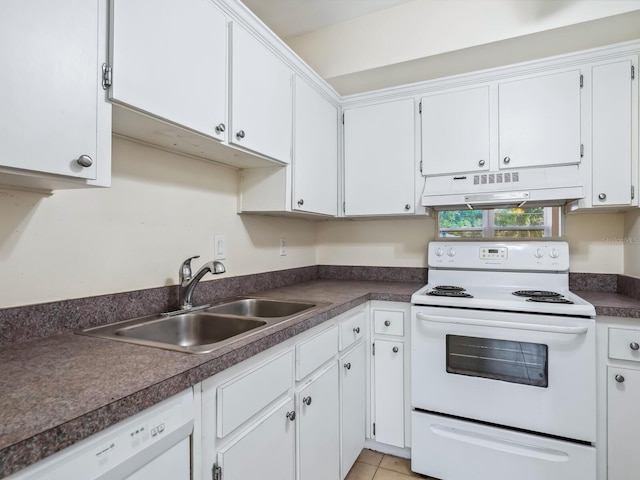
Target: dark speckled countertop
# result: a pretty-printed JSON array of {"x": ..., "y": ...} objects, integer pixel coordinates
[{"x": 60, "y": 389}]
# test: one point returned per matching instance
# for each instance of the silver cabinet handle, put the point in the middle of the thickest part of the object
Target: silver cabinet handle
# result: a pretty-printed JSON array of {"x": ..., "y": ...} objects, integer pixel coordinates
[
  {"x": 347, "y": 366},
  {"x": 291, "y": 415},
  {"x": 481, "y": 163},
  {"x": 220, "y": 128},
  {"x": 619, "y": 378},
  {"x": 634, "y": 346},
  {"x": 602, "y": 196},
  {"x": 407, "y": 207},
  {"x": 307, "y": 400},
  {"x": 356, "y": 330},
  {"x": 300, "y": 202},
  {"x": 506, "y": 159},
  {"x": 240, "y": 134},
  {"x": 85, "y": 161},
  {"x": 387, "y": 323},
  {"x": 395, "y": 349}
]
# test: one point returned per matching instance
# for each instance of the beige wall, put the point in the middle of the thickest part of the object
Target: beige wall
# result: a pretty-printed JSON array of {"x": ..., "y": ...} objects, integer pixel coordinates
[
  {"x": 424, "y": 28},
  {"x": 161, "y": 209},
  {"x": 631, "y": 240},
  {"x": 594, "y": 242}
]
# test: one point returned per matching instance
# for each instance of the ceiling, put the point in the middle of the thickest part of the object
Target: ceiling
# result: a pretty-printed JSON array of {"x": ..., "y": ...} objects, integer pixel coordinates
[{"x": 290, "y": 18}]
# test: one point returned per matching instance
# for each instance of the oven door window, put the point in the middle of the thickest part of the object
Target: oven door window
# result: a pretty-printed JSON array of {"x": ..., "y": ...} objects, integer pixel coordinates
[{"x": 509, "y": 361}]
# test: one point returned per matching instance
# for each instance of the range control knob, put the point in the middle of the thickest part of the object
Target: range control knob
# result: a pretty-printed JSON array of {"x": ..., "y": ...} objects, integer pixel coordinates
[
  {"x": 554, "y": 253},
  {"x": 439, "y": 252},
  {"x": 451, "y": 252},
  {"x": 538, "y": 253}
]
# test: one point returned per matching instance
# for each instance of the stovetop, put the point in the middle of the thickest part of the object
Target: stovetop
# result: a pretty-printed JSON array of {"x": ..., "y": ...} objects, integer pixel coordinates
[{"x": 529, "y": 277}]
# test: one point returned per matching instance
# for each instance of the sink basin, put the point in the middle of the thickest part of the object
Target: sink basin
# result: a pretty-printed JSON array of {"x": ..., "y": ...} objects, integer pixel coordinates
[
  {"x": 261, "y": 307},
  {"x": 204, "y": 329},
  {"x": 190, "y": 329}
]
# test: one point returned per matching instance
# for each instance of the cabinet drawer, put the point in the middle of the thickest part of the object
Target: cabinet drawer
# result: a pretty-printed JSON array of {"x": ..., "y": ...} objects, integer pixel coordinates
[
  {"x": 624, "y": 344},
  {"x": 351, "y": 329},
  {"x": 244, "y": 396},
  {"x": 388, "y": 322},
  {"x": 312, "y": 353}
]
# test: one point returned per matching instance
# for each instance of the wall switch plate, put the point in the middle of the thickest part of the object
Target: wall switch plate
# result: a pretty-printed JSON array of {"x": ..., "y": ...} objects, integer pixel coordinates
[
  {"x": 220, "y": 248},
  {"x": 283, "y": 247}
]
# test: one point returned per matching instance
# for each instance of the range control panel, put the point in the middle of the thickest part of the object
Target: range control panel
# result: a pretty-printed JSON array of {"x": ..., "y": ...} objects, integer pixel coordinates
[{"x": 533, "y": 255}]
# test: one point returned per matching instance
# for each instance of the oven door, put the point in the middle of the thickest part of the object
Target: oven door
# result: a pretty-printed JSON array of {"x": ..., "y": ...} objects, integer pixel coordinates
[{"x": 527, "y": 371}]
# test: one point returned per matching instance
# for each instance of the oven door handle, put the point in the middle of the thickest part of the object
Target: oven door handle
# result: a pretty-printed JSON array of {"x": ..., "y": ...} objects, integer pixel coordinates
[
  {"x": 512, "y": 325},
  {"x": 496, "y": 443}
]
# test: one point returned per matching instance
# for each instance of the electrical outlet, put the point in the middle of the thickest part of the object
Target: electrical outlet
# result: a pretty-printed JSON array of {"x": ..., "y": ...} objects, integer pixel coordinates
[
  {"x": 220, "y": 248},
  {"x": 283, "y": 247}
]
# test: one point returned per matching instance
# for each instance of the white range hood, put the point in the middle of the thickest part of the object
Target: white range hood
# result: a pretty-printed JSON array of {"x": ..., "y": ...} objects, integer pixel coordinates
[{"x": 546, "y": 186}]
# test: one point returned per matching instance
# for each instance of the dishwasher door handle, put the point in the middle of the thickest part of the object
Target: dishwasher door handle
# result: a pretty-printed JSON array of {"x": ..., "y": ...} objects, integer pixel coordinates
[{"x": 573, "y": 330}]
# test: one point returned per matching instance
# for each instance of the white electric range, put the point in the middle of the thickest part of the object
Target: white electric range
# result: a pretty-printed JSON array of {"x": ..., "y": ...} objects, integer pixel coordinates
[{"x": 503, "y": 358}]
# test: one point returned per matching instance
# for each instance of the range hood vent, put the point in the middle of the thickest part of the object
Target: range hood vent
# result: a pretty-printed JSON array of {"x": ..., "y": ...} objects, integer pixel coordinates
[{"x": 550, "y": 186}]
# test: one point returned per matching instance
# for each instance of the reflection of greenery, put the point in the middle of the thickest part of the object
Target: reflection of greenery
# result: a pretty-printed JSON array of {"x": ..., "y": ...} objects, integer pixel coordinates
[
  {"x": 461, "y": 219},
  {"x": 520, "y": 217},
  {"x": 470, "y": 223}
]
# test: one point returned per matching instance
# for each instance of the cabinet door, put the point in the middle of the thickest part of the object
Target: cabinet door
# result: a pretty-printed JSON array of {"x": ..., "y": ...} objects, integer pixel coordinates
[
  {"x": 455, "y": 132},
  {"x": 169, "y": 60},
  {"x": 611, "y": 133},
  {"x": 49, "y": 86},
  {"x": 379, "y": 158},
  {"x": 352, "y": 400},
  {"x": 261, "y": 98},
  {"x": 539, "y": 120},
  {"x": 623, "y": 421},
  {"x": 389, "y": 392},
  {"x": 315, "y": 152},
  {"x": 266, "y": 451},
  {"x": 318, "y": 428}
]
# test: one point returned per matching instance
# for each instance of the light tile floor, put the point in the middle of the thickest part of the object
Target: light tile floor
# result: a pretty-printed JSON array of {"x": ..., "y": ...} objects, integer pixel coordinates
[{"x": 372, "y": 465}]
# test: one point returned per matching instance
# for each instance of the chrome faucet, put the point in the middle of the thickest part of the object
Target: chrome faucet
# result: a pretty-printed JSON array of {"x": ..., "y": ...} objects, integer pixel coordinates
[{"x": 188, "y": 281}]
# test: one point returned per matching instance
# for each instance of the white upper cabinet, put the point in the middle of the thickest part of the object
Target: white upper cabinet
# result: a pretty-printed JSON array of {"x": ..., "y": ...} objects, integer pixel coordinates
[
  {"x": 315, "y": 152},
  {"x": 54, "y": 118},
  {"x": 455, "y": 131},
  {"x": 614, "y": 119},
  {"x": 169, "y": 60},
  {"x": 539, "y": 120},
  {"x": 261, "y": 98},
  {"x": 379, "y": 158}
]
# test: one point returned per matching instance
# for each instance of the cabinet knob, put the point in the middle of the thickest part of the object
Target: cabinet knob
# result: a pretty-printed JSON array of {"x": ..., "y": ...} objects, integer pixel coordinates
[
  {"x": 240, "y": 134},
  {"x": 85, "y": 161},
  {"x": 506, "y": 159},
  {"x": 634, "y": 346},
  {"x": 306, "y": 400},
  {"x": 300, "y": 202},
  {"x": 347, "y": 366},
  {"x": 387, "y": 323},
  {"x": 395, "y": 349},
  {"x": 291, "y": 415},
  {"x": 481, "y": 163},
  {"x": 356, "y": 330},
  {"x": 220, "y": 128},
  {"x": 619, "y": 378},
  {"x": 602, "y": 196},
  {"x": 407, "y": 207}
]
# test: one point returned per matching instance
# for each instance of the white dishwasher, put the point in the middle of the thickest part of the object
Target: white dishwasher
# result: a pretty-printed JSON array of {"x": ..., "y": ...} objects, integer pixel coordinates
[{"x": 153, "y": 444}]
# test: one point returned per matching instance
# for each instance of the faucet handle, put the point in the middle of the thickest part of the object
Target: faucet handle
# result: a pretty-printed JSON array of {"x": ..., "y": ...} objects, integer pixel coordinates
[{"x": 185, "y": 269}]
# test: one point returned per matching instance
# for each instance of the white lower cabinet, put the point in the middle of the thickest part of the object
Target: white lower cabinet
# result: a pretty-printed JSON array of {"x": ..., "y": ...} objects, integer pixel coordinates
[
  {"x": 390, "y": 373},
  {"x": 317, "y": 404},
  {"x": 277, "y": 415},
  {"x": 352, "y": 403},
  {"x": 623, "y": 395},
  {"x": 264, "y": 451}
]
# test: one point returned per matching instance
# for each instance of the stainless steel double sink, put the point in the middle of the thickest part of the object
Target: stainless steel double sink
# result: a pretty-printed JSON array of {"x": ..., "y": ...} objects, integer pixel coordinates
[{"x": 206, "y": 328}]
